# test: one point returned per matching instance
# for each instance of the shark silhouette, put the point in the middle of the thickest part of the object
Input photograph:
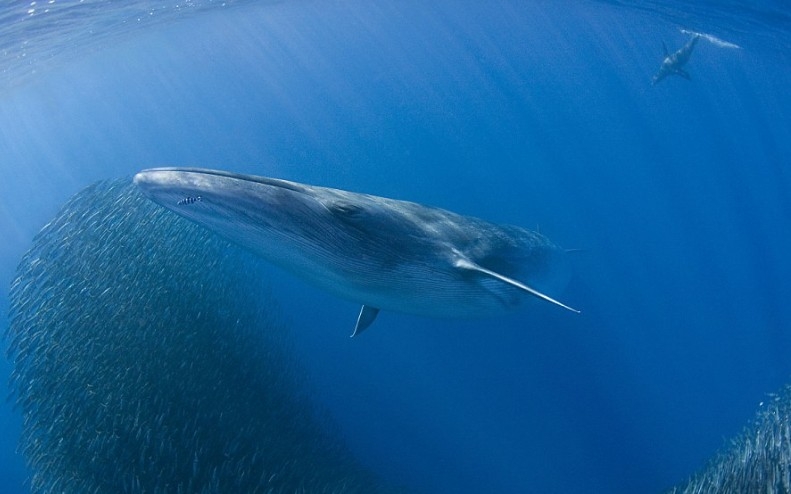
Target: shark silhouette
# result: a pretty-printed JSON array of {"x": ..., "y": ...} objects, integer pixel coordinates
[{"x": 673, "y": 64}]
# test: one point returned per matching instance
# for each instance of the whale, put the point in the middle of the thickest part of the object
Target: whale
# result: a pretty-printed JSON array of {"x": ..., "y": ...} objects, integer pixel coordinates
[
  {"x": 673, "y": 63},
  {"x": 382, "y": 253}
]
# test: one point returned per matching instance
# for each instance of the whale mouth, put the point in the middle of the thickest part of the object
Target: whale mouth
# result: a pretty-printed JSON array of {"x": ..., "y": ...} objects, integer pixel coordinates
[{"x": 151, "y": 177}]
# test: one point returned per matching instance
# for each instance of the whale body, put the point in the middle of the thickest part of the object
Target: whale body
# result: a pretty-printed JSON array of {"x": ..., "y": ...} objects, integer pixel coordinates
[{"x": 383, "y": 253}]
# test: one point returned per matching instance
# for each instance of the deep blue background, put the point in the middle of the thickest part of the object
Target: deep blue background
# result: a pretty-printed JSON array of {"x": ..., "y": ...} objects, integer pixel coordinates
[{"x": 530, "y": 113}]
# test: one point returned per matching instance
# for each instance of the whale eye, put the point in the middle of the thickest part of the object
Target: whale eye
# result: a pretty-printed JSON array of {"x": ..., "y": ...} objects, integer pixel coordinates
[{"x": 189, "y": 200}]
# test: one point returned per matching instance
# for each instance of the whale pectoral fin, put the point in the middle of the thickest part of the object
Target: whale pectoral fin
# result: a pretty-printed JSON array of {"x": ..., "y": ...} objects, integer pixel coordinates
[
  {"x": 365, "y": 319},
  {"x": 465, "y": 264},
  {"x": 684, "y": 74}
]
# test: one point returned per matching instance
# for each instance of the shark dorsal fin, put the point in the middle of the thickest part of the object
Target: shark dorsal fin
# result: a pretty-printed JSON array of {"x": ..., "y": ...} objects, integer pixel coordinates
[
  {"x": 664, "y": 49},
  {"x": 466, "y": 264},
  {"x": 365, "y": 319}
]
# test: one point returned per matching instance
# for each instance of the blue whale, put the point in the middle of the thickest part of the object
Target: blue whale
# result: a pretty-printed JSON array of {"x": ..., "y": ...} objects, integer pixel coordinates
[{"x": 383, "y": 253}]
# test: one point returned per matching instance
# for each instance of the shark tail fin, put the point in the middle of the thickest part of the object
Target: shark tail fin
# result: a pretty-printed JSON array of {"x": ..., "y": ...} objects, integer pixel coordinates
[{"x": 466, "y": 264}]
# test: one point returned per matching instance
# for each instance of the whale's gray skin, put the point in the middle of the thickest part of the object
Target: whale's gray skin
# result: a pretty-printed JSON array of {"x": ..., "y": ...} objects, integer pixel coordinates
[
  {"x": 673, "y": 64},
  {"x": 383, "y": 253}
]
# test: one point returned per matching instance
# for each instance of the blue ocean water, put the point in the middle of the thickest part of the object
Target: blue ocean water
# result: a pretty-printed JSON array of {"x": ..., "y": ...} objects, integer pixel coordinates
[{"x": 538, "y": 114}]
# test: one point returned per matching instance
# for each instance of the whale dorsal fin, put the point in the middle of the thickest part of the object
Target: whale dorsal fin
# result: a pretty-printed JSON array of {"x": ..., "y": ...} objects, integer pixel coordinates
[
  {"x": 466, "y": 264},
  {"x": 365, "y": 319}
]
